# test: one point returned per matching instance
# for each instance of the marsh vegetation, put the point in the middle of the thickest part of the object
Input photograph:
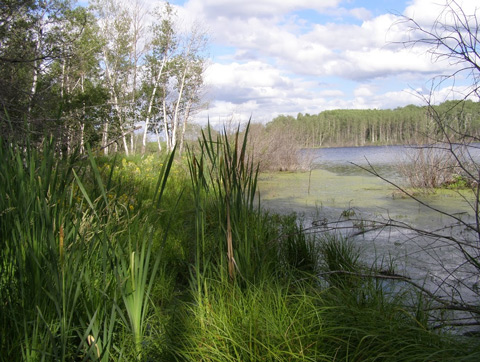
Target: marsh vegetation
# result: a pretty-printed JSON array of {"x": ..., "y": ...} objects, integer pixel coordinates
[
  {"x": 115, "y": 256},
  {"x": 155, "y": 259}
]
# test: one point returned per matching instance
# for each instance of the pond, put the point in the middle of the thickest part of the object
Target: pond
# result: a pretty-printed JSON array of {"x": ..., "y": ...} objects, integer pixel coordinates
[
  {"x": 338, "y": 182},
  {"x": 338, "y": 195}
]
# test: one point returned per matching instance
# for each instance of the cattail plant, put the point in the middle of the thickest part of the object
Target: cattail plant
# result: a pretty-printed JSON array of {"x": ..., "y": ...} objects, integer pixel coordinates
[
  {"x": 62, "y": 242},
  {"x": 222, "y": 170}
]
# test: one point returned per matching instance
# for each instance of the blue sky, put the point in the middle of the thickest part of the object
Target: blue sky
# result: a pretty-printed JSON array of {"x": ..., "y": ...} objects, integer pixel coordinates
[{"x": 271, "y": 57}]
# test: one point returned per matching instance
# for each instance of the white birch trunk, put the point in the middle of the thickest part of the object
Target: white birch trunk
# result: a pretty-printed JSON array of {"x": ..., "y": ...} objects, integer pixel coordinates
[
  {"x": 115, "y": 104},
  {"x": 165, "y": 123},
  {"x": 177, "y": 108},
  {"x": 105, "y": 139},
  {"x": 158, "y": 140},
  {"x": 82, "y": 135},
  {"x": 184, "y": 126},
  {"x": 150, "y": 104}
]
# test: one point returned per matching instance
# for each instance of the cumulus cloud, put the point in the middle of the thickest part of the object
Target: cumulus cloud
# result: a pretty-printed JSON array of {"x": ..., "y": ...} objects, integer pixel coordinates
[
  {"x": 284, "y": 49},
  {"x": 239, "y": 82},
  {"x": 426, "y": 12},
  {"x": 361, "y": 13},
  {"x": 215, "y": 9},
  {"x": 259, "y": 89}
]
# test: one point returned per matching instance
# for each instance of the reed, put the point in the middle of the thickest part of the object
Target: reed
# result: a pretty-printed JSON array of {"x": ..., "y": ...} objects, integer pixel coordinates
[
  {"x": 61, "y": 234},
  {"x": 136, "y": 276},
  {"x": 221, "y": 172},
  {"x": 100, "y": 261}
]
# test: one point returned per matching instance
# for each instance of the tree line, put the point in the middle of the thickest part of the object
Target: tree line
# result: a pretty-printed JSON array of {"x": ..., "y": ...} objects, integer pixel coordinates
[
  {"x": 405, "y": 125},
  {"x": 97, "y": 74}
]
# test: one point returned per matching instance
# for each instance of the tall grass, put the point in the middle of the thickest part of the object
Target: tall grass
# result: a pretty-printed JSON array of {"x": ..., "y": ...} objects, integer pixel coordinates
[
  {"x": 296, "y": 320},
  {"x": 221, "y": 172},
  {"x": 101, "y": 261},
  {"x": 259, "y": 322},
  {"x": 243, "y": 241},
  {"x": 64, "y": 241}
]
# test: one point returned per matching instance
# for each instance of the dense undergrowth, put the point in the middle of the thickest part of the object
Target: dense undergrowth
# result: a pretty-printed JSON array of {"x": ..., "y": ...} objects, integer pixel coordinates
[{"x": 151, "y": 259}]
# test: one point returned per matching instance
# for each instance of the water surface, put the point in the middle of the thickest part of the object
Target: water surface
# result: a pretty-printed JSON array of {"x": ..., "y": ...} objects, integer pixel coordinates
[{"x": 337, "y": 192}]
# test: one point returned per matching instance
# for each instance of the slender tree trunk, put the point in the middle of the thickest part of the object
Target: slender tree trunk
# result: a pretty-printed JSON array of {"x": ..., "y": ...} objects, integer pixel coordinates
[
  {"x": 117, "y": 108},
  {"x": 36, "y": 66},
  {"x": 82, "y": 135},
  {"x": 184, "y": 126},
  {"x": 150, "y": 104},
  {"x": 115, "y": 104},
  {"x": 124, "y": 140},
  {"x": 33, "y": 89},
  {"x": 105, "y": 138},
  {"x": 69, "y": 140},
  {"x": 158, "y": 140},
  {"x": 165, "y": 122},
  {"x": 82, "y": 124},
  {"x": 177, "y": 108}
]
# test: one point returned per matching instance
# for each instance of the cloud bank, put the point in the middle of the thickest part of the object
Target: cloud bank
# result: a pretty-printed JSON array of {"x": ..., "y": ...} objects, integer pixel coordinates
[{"x": 274, "y": 57}]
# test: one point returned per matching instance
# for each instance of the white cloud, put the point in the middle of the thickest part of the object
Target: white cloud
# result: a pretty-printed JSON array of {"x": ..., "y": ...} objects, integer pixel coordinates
[
  {"x": 352, "y": 51},
  {"x": 361, "y": 13},
  {"x": 426, "y": 12},
  {"x": 363, "y": 91},
  {"x": 215, "y": 9},
  {"x": 244, "y": 81},
  {"x": 257, "y": 89},
  {"x": 279, "y": 58}
]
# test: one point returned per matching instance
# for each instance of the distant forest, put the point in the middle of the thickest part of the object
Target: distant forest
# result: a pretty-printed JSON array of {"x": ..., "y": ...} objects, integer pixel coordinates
[{"x": 361, "y": 127}]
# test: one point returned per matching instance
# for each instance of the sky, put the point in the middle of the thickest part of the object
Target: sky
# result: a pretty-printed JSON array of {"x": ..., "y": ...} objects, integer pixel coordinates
[{"x": 272, "y": 57}]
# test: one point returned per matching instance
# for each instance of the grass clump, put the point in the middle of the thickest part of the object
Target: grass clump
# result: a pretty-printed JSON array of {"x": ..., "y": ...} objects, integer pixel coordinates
[{"x": 264, "y": 321}]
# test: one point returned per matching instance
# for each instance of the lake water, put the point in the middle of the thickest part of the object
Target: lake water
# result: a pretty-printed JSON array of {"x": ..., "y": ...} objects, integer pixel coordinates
[
  {"x": 337, "y": 196},
  {"x": 358, "y": 155}
]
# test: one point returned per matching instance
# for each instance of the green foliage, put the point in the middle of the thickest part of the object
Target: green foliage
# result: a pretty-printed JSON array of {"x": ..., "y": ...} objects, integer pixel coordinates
[
  {"x": 49, "y": 73},
  {"x": 458, "y": 182},
  {"x": 220, "y": 171},
  {"x": 73, "y": 73},
  {"x": 61, "y": 233},
  {"x": 290, "y": 321},
  {"x": 340, "y": 261},
  {"x": 107, "y": 259},
  {"x": 259, "y": 322},
  {"x": 405, "y": 125}
]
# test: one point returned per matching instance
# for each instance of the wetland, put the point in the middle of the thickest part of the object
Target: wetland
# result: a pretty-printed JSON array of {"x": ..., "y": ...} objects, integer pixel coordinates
[{"x": 338, "y": 195}]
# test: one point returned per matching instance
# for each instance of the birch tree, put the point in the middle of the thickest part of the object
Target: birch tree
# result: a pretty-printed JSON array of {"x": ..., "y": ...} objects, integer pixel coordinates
[
  {"x": 138, "y": 15},
  {"x": 174, "y": 79},
  {"x": 82, "y": 96},
  {"x": 115, "y": 24},
  {"x": 190, "y": 66},
  {"x": 163, "y": 44}
]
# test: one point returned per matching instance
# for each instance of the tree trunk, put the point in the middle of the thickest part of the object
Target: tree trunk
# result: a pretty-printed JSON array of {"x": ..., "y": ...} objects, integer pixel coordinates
[
  {"x": 165, "y": 122},
  {"x": 82, "y": 135},
  {"x": 158, "y": 140},
  {"x": 105, "y": 138},
  {"x": 184, "y": 126},
  {"x": 116, "y": 106},
  {"x": 150, "y": 105},
  {"x": 177, "y": 108}
]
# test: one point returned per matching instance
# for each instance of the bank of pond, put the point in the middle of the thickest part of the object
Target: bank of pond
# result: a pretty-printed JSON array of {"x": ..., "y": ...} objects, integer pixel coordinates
[{"x": 156, "y": 259}]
